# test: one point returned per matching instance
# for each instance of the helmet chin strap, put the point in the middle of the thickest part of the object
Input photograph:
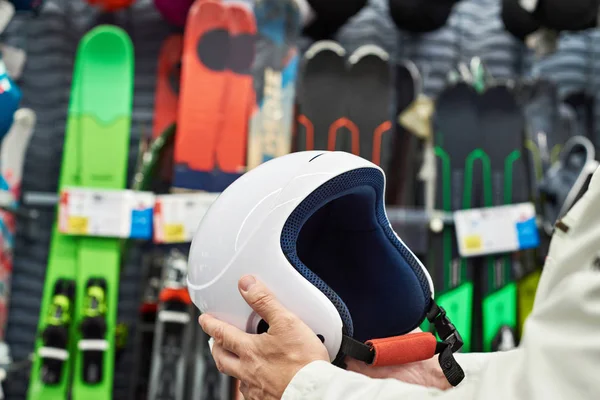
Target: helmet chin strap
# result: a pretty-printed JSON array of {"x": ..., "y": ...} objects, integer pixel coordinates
[{"x": 412, "y": 347}]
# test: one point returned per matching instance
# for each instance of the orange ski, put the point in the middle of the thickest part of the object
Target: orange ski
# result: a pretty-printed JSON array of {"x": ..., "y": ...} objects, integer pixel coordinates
[
  {"x": 333, "y": 139},
  {"x": 167, "y": 84},
  {"x": 232, "y": 144},
  {"x": 322, "y": 122},
  {"x": 202, "y": 96},
  {"x": 370, "y": 75}
]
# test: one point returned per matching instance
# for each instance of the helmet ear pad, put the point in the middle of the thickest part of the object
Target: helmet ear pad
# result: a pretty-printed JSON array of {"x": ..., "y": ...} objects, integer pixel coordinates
[{"x": 340, "y": 240}]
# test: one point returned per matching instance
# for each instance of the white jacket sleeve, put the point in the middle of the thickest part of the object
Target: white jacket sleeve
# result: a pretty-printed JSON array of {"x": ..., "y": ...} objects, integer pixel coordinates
[{"x": 559, "y": 354}]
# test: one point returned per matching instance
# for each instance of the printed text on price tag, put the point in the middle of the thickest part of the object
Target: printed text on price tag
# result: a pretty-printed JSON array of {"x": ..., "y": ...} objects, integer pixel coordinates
[
  {"x": 176, "y": 216},
  {"x": 495, "y": 230},
  {"x": 106, "y": 213}
]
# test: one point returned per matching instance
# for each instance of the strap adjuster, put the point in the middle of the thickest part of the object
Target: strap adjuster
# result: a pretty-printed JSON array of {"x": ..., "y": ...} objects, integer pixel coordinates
[{"x": 444, "y": 327}]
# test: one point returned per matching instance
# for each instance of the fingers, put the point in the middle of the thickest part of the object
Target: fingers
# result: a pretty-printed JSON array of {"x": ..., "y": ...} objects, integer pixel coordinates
[
  {"x": 229, "y": 337},
  {"x": 227, "y": 362},
  {"x": 244, "y": 390},
  {"x": 261, "y": 299}
]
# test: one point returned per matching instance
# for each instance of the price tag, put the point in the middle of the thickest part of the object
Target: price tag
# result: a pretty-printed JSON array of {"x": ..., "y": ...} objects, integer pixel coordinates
[
  {"x": 106, "y": 213},
  {"x": 176, "y": 216},
  {"x": 494, "y": 230}
]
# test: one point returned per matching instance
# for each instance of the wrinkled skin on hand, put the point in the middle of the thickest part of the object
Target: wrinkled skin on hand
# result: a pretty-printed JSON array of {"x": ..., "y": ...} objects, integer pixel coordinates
[
  {"x": 265, "y": 364},
  {"x": 425, "y": 373}
]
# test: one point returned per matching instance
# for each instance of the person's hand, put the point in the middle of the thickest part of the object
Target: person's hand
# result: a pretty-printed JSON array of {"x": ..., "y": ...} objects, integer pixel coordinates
[
  {"x": 425, "y": 373},
  {"x": 265, "y": 364}
]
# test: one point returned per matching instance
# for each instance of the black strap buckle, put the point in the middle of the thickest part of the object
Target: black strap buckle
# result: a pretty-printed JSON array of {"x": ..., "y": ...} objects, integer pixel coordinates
[
  {"x": 452, "y": 342},
  {"x": 444, "y": 327}
]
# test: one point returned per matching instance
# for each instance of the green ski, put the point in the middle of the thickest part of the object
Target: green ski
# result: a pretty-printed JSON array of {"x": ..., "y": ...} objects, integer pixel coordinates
[
  {"x": 502, "y": 125},
  {"x": 79, "y": 307},
  {"x": 458, "y": 154}
]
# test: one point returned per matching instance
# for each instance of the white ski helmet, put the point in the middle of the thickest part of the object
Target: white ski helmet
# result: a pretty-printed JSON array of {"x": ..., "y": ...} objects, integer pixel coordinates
[{"x": 312, "y": 226}]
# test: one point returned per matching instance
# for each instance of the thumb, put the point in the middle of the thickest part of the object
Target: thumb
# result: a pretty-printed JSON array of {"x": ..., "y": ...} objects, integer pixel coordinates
[{"x": 261, "y": 299}]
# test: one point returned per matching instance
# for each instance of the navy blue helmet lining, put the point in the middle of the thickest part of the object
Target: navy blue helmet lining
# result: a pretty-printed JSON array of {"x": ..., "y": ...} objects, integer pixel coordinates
[{"x": 340, "y": 240}]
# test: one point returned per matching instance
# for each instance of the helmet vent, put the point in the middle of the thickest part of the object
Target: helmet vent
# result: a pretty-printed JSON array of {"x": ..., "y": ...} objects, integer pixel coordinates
[{"x": 262, "y": 327}]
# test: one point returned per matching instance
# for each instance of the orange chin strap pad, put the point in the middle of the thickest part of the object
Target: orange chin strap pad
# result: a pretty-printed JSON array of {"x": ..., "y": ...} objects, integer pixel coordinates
[{"x": 403, "y": 349}]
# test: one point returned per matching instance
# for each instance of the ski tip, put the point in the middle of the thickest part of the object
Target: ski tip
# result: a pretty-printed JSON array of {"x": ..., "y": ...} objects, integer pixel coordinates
[
  {"x": 241, "y": 19},
  {"x": 199, "y": 5},
  {"x": 368, "y": 50},
  {"x": 106, "y": 29},
  {"x": 211, "y": 13},
  {"x": 174, "y": 40},
  {"x": 25, "y": 117},
  {"x": 105, "y": 37},
  {"x": 414, "y": 73},
  {"x": 325, "y": 45}
]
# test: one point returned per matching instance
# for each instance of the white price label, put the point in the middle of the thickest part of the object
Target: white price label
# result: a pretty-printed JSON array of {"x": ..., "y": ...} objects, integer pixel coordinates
[
  {"x": 495, "y": 230},
  {"x": 106, "y": 213},
  {"x": 176, "y": 216}
]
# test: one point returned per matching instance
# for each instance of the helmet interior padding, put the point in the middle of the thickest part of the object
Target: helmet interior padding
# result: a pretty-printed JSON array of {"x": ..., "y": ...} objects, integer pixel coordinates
[{"x": 340, "y": 240}]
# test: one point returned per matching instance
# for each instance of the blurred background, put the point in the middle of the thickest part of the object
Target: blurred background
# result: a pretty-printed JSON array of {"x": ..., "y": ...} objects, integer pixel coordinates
[{"x": 464, "y": 104}]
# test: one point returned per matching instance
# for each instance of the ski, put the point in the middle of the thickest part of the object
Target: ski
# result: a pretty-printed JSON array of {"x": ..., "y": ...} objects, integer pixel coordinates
[
  {"x": 174, "y": 333},
  {"x": 12, "y": 160},
  {"x": 79, "y": 306},
  {"x": 320, "y": 109},
  {"x": 232, "y": 141},
  {"x": 370, "y": 76},
  {"x": 166, "y": 98},
  {"x": 505, "y": 182},
  {"x": 458, "y": 142},
  {"x": 200, "y": 118},
  {"x": 403, "y": 171},
  {"x": 275, "y": 71}
]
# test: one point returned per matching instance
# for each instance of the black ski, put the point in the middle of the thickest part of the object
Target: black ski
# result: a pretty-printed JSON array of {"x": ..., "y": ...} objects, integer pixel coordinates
[
  {"x": 369, "y": 103},
  {"x": 505, "y": 179},
  {"x": 322, "y": 111}
]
